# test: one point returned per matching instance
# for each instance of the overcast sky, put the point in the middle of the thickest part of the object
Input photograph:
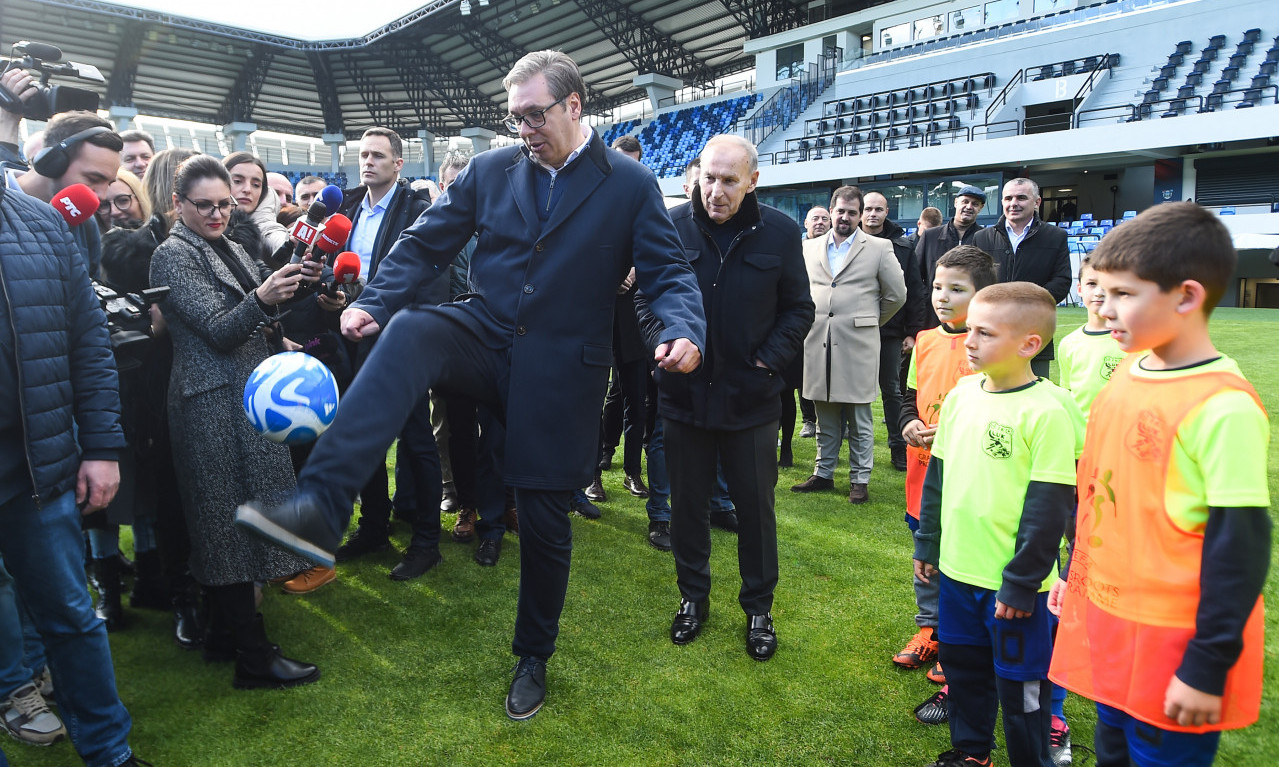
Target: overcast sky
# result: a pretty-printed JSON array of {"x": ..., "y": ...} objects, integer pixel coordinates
[{"x": 309, "y": 20}]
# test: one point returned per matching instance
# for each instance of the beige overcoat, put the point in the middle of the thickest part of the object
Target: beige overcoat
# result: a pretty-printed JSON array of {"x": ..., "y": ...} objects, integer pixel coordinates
[{"x": 841, "y": 351}]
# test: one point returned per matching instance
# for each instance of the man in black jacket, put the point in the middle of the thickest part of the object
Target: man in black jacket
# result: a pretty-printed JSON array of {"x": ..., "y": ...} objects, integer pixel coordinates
[
  {"x": 897, "y": 336},
  {"x": 1028, "y": 250},
  {"x": 935, "y": 241},
  {"x": 60, "y": 440},
  {"x": 750, "y": 269},
  {"x": 380, "y": 208}
]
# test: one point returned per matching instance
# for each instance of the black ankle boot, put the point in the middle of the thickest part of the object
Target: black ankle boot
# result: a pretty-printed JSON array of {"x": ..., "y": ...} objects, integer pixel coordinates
[
  {"x": 259, "y": 664},
  {"x": 109, "y": 608},
  {"x": 188, "y": 619},
  {"x": 149, "y": 589}
]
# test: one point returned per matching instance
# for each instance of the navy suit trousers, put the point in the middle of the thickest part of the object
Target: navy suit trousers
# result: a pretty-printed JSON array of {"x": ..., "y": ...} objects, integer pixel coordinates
[{"x": 423, "y": 349}]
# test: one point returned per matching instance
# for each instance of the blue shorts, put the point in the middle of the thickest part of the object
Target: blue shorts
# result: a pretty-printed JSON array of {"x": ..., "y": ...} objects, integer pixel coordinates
[
  {"x": 1022, "y": 647},
  {"x": 1149, "y": 746}
]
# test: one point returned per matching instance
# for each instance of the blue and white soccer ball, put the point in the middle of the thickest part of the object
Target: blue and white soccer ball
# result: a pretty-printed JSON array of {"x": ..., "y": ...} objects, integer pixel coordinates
[{"x": 291, "y": 398}]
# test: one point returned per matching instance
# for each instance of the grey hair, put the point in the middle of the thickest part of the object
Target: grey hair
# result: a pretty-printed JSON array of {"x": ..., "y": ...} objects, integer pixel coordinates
[
  {"x": 752, "y": 154},
  {"x": 561, "y": 73},
  {"x": 1034, "y": 188}
]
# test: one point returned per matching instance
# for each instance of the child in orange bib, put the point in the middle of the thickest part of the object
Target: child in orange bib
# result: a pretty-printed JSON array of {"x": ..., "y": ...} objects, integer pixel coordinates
[
  {"x": 937, "y": 361},
  {"x": 1161, "y": 613}
]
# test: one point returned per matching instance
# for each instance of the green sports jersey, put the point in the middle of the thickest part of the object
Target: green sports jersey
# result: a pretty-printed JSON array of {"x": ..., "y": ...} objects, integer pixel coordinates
[
  {"x": 992, "y": 446},
  {"x": 1085, "y": 361},
  {"x": 1219, "y": 455}
]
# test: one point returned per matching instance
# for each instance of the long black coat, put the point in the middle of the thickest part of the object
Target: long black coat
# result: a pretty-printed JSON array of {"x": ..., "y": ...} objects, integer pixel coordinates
[
  {"x": 546, "y": 291},
  {"x": 757, "y": 307}
]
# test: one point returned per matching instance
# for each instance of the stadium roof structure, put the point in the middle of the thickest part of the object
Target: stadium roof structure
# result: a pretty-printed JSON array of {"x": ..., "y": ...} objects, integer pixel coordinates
[{"x": 434, "y": 67}]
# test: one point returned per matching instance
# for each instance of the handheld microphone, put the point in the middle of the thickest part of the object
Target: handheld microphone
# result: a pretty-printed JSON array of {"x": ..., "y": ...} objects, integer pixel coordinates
[
  {"x": 331, "y": 196},
  {"x": 305, "y": 230},
  {"x": 77, "y": 204},
  {"x": 346, "y": 271},
  {"x": 333, "y": 236}
]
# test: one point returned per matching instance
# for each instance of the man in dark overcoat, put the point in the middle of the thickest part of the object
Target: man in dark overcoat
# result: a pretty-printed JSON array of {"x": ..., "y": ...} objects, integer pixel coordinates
[{"x": 558, "y": 225}]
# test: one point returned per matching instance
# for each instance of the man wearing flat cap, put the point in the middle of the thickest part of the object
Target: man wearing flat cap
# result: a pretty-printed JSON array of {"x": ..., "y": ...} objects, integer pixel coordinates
[{"x": 936, "y": 240}]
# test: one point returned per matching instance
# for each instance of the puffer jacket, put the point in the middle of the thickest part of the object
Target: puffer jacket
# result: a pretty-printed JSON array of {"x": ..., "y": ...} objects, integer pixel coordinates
[{"x": 66, "y": 371}]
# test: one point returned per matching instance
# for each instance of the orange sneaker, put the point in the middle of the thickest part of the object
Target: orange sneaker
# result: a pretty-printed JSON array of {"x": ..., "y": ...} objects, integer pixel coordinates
[
  {"x": 309, "y": 580},
  {"x": 919, "y": 651},
  {"x": 936, "y": 675}
]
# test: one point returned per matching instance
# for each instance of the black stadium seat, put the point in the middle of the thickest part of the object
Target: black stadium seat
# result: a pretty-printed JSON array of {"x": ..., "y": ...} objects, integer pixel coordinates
[{"x": 1252, "y": 35}]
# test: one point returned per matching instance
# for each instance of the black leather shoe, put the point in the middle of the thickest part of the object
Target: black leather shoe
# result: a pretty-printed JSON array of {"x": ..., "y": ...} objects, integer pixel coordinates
[
  {"x": 584, "y": 509},
  {"x": 448, "y": 502},
  {"x": 416, "y": 563},
  {"x": 659, "y": 535},
  {"x": 635, "y": 486},
  {"x": 272, "y": 670},
  {"x": 813, "y": 484},
  {"x": 724, "y": 520},
  {"x": 488, "y": 552},
  {"x": 528, "y": 688},
  {"x": 188, "y": 628},
  {"x": 688, "y": 620},
  {"x": 595, "y": 491},
  {"x": 300, "y": 525},
  {"x": 761, "y": 639},
  {"x": 363, "y": 541}
]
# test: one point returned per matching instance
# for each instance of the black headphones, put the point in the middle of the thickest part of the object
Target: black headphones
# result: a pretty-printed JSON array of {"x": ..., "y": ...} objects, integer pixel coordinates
[{"x": 53, "y": 161}]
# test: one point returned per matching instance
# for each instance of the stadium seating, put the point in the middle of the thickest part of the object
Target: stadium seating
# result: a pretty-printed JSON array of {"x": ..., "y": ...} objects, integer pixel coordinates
[
  {"x": 1237, "y": 82},
  {"x": 673, "y": 139},
  {"x": 901, "y": 118}
]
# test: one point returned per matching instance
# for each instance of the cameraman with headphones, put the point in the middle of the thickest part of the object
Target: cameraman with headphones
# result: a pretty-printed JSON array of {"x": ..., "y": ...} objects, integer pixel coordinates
[{"x": 80, "y": 148}]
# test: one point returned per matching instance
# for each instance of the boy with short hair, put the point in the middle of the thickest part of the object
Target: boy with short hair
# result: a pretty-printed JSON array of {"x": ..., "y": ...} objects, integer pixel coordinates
[
  {"x": 1088, "y": 356},
  {"x": 998, "y": 489},
  {"x": 1161, "y": 614},
  {"x": 937, "y": 361}
]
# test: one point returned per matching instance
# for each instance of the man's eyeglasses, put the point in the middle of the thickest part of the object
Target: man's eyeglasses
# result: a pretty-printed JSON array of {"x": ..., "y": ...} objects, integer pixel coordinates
[
  {"x": 534, "y": 119},
  {"x": 206, "y": 207},
  {"x": 120, "y": 201}
]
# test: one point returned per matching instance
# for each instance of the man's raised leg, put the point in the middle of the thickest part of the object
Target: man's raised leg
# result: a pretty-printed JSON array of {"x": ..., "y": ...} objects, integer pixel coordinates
[{"x": 418, "y": 350}]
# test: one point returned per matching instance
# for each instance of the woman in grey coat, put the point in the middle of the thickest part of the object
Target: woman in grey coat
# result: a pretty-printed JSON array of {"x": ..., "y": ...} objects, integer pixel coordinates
[{"x": 220, "y": 303}]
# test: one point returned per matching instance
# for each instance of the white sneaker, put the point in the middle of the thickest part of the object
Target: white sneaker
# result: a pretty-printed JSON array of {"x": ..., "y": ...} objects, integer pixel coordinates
[
  {"x": 28, "y": 718},
  {"x": 44, "y": 681}
]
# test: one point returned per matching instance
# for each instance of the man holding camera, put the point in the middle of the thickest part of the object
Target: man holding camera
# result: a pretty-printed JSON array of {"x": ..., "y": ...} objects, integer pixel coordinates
[{"x": 80, "y": 148}]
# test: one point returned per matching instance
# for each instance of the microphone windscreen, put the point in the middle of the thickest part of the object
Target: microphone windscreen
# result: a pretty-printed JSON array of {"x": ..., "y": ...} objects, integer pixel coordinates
[
  {"x": 333, "y": 236},
  {"x": 316, "y": 213},
  {"x": 50, "y": 54},
  {"x": 346, "y": 269},
  {"x": 331, "y": 196},
  {"x": 77, "y": 204}
]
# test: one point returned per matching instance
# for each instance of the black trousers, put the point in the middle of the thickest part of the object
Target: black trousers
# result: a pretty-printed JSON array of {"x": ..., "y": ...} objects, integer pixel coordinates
[
  {"x": 628, "y": 413},
  {"x": 749, "y": 460},
  {"x": 890, "y": 386},
  {"x": 420, "y": 350}
]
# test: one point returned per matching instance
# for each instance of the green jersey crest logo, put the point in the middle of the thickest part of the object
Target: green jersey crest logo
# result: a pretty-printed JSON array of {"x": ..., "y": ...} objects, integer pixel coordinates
[
  {"x": 998, "y": 442},
  {"x": 1108, "y": 365}
]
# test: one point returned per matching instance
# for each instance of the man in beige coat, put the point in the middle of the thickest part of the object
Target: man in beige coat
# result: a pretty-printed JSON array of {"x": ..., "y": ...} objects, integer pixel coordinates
[{"x": 857, "y": 285}]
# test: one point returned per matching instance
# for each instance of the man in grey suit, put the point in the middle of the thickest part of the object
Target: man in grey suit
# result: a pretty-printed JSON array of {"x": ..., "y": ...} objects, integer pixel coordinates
[
  {"x": 857, "y": 285},
  {"x": 560, "y": 220}
]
